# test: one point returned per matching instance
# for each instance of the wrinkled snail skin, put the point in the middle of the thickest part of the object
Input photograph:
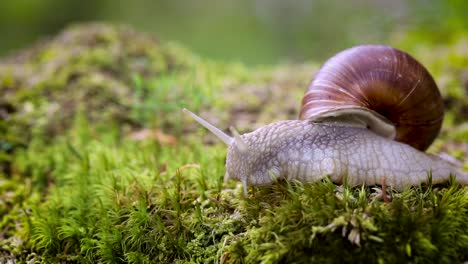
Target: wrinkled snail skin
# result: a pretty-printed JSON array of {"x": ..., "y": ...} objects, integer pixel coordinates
[
  {"x": 367, "y": 115},
  {"x": 308, "y": 151}
]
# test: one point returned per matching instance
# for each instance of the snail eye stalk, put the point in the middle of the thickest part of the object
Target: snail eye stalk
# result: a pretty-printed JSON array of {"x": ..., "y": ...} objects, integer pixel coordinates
[{"x": 218, "y": 133}]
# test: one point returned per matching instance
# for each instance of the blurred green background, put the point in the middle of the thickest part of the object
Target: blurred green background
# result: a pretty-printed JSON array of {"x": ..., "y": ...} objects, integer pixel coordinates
[{"x": 253, "y": 32}]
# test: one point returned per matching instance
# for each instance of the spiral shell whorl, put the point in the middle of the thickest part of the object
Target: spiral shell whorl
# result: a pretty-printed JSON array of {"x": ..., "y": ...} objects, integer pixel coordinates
[{"x": 382, "y": 79}]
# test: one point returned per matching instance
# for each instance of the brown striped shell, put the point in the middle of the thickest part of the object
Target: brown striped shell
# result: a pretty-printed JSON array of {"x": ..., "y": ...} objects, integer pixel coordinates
[{"x": 385, "y": 88}]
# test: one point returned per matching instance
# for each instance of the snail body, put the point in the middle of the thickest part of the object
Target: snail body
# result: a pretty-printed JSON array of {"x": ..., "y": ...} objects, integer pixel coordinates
[
  {"x": 358, "y": 125},
  {"x": 308, "y": 151}
]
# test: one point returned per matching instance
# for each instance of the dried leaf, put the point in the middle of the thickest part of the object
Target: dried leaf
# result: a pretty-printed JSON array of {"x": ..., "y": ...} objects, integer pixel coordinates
[{"x": 155, "y": 134}]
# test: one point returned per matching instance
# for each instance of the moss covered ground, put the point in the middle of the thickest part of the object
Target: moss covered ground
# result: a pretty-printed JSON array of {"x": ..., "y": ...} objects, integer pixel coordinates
[{"x": 99, "y": 165}]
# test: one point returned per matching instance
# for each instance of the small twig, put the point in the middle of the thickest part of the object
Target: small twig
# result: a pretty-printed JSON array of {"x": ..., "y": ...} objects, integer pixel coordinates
[
  {"x": 188, "y": 166},
  {"x": 384, "y": 190},
  {"x": 5, "y": 230},
  {"x": 215, "y": 201}
]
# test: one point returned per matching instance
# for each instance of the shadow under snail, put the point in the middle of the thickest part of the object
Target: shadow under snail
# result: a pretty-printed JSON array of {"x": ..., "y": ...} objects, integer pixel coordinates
[{"x": 366, "y": 118}]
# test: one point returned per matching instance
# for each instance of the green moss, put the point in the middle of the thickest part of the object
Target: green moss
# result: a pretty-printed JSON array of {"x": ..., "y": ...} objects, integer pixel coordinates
[
  {"x": 77, "y": 186},
  {"x": 108, "y": 204},
  {"x": 313, "y": 222},
  {"x": 90, "y": 66},
  {"x": 112, "y": 74},
  {"x": 132, "y": 202}
]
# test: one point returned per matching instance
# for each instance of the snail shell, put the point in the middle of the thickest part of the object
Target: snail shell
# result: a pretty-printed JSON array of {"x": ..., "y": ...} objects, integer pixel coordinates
[{"x": 382, "y": 87}]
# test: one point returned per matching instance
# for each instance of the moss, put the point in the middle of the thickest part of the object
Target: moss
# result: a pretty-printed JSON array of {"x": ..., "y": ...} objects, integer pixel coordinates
[
  {"x": 107, "y": 205},
  {"x": 77, "y": 187},
  {"x": 114, "y": 75},
  {"x": 313, "y": 222},
  {"x": 90, "y": 66}
]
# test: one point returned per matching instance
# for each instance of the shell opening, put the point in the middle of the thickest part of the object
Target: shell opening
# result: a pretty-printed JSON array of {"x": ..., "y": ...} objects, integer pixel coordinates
[{"x": 358, "y": 116}]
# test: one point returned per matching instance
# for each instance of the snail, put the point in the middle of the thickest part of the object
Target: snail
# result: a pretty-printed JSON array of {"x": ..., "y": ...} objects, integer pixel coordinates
[{"x": 367, "y": 117}]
